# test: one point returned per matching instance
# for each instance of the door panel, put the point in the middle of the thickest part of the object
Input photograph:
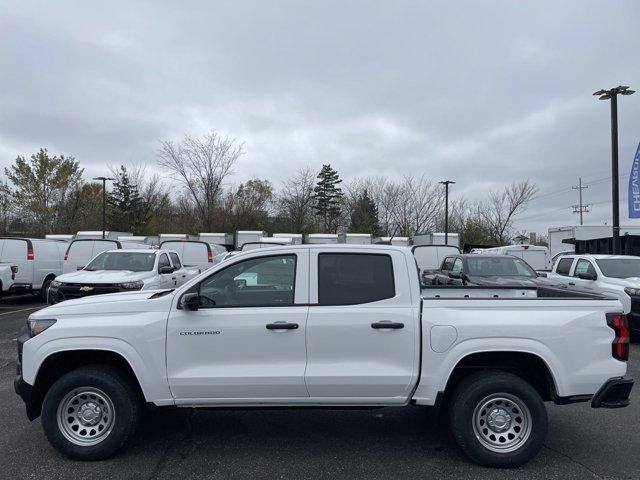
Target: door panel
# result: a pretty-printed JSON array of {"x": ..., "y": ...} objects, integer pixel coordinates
[
  {"x": 346, "y": 355},
  {"x": 240, "y": 352}
]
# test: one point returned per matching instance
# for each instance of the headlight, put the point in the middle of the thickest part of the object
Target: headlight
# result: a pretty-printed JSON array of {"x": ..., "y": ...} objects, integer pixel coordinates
[
  {"x": 39, "y": 325},
  {"x": 137, "y": 285},
  {"x": 632, "y": 292},
  {"x": 55, "y": 283}
]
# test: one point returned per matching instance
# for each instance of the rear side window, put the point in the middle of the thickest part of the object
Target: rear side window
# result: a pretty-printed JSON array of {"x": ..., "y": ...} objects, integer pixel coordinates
[
  {"x": 349, "y": 279},
  {"x": 175, "y": 260},
  {"x": 564, "y": 266}
]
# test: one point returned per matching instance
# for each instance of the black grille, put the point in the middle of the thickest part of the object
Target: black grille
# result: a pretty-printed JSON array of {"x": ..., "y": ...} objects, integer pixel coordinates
[{"x": 75, "y": 290}]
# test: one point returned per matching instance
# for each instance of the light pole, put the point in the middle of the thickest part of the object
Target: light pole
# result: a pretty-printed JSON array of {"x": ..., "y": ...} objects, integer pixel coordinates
[
  {"x": 104, "y": 202},
  {"x": 446, "y": 184},
  {"x": 612, "y": 94}
]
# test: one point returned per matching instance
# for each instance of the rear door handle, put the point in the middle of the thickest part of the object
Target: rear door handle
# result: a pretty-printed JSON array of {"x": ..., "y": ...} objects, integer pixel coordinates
[
  {"x": 282, "y": 326},
  {"x": 387, "y": 324}
]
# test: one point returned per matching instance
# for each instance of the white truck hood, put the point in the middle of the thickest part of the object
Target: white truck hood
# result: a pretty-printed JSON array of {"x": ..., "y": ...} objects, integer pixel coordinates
[
  {"x": 104, "y": 276},
  {"x": 138, "y": 301},
  {"x": 624, "y": 282}
]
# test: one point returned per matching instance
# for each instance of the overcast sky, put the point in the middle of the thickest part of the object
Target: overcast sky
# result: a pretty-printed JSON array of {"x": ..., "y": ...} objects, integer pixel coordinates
[{"x": 483, "y": 93}]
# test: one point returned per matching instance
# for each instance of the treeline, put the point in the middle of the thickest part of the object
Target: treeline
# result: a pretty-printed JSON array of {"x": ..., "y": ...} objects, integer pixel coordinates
[{"x": 48, "y": 194}]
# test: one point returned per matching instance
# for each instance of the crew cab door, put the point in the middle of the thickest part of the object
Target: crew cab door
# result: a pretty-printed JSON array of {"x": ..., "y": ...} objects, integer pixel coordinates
[
  {"x": 179, "y": 272},
  {"x": 246, "y": 341},
  {"x": 583, "y": 266},
  {"x": 362, "y": 330}
]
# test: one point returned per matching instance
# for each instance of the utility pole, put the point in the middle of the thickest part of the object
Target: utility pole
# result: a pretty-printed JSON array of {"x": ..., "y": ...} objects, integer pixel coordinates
[
  {"x": 580, "y": 208},
  {"x": 104, "y": 202},
  {"x": 446, "y": 184},
  {"x": 612, "y": 94}
]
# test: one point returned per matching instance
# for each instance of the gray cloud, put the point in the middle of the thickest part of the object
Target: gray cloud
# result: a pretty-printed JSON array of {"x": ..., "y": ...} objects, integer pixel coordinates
[{"x": 485, "y": 92}]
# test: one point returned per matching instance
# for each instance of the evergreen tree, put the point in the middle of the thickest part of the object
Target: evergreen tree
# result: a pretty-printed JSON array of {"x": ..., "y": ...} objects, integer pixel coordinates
[
  {"x": 127, "y": 211},
  {"x": 327, "y": 197},
  {"x": 364, "y": 217}
]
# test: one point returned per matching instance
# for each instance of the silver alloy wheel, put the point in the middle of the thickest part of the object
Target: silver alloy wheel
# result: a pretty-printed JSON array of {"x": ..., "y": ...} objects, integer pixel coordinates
[
  {"x": 502, "y": 422},
  {"x": 86, "y": 416}
]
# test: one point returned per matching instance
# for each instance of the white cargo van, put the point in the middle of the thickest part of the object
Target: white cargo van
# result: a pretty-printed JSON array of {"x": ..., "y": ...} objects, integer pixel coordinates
[
  {"x": 247, "y": 236},
  {"x": 81, "y": 251},
  {"x": 535, "y": 255},
  {"x": 66, "y": 237},
  {"x": 429, "y": 257},
  {"x": 195, "y": 253},
  {"x": 34, "y": 263}
]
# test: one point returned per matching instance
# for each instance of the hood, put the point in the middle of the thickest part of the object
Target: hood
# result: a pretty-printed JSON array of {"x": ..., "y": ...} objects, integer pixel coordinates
[
  {"x": 508, "y": 281},
  {"x": 624, "y": 282},
  {"x": 103, "y": 276},
  {"x": 131, "y": 302}
]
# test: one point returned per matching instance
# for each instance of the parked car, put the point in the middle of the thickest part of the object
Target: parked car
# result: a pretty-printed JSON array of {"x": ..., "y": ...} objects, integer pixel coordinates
[
  {"x": 612, "y": 275},
  {"x": 323, "y": 326},
  {"x": 30, "y": 263},
  {"x": 80, "y": 252},
  {"x": 122, "y": 270},
  {"x": 195, "y": 253},
  {"x": 487, "y": 270}
]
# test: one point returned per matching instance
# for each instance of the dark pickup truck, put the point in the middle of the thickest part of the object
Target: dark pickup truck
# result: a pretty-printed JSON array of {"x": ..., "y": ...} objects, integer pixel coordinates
[{"x": 486, "y": 270}]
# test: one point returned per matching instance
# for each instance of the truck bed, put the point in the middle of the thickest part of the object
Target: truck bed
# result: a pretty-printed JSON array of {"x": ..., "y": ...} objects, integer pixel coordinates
[{"x": 481, "y": 292}]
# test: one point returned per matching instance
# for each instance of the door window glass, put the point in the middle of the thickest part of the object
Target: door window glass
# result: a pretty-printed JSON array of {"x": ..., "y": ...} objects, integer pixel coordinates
[
  {"x": 564, "y": 266},
  {"x": 457, "y": 266},
  {"x": 256, "y": 282},
  {"x": 584, "y": 266}
]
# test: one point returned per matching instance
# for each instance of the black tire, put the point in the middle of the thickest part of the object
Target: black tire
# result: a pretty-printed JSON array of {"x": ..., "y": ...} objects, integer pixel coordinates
[
  {"x": 468, "y": 419},
  {"x": 119, "y": 391},
  {"x": 44, "y": 290}
]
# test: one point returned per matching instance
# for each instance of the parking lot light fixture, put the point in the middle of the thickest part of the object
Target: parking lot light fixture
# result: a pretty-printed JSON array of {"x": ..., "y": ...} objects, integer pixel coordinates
[
  {"x": 612, "y": 94},
  {"x": 104, "y": 202}
]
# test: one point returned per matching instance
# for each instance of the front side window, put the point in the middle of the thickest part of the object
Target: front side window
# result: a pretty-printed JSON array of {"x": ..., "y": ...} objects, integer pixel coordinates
[
  {"x": 457, "y": 266},
  {"x": 584, "y": 266},
  {"x": 163, "y": 262},
  {"x": 130, "y": 261},
  {"x": 349, "y": 279},
  {"x": 256, "y": 282}
]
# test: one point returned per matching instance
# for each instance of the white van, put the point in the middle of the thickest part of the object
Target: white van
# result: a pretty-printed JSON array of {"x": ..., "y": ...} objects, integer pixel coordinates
[
  {"x": 195, "y": 253},
  {"x": 34, "y": 263},
  {"x": 81, "y": 251},
  {"x": 536, "y": 256}
]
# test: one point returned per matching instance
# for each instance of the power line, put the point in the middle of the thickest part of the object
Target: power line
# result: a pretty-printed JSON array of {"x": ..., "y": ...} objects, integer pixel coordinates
[{"x": 580, "y": 208}]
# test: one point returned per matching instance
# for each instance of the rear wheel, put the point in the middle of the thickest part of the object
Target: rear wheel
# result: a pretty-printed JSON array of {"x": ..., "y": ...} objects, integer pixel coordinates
[
  {"x": 498, "y": 419},
  {"x": 89, "y": 413}
]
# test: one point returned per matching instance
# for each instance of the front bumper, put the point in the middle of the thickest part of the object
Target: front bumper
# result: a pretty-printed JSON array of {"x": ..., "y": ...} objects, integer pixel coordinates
[
  {"x": 22, "y": 388},
  {"x": 613, "y": 394}
]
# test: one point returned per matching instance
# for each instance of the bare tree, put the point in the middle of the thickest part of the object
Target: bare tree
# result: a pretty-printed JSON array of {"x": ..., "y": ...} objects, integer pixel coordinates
[
  {"x": 295, "y": 201},
  {"x": 501, "y": 207},
  {"x": 201, "y": 166}
]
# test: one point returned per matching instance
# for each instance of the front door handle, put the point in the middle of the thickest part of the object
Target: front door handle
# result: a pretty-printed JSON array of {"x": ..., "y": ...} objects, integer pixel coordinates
[
  {"x": 282, "y": 326},
  {"x": 387, "y": 324},
  {"x": 572, "y": 284}
]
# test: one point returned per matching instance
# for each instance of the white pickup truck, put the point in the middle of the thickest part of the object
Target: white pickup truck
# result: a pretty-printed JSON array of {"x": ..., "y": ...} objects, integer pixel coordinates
[
  {"x": 323, "y": 326},
  {"x": 617, "y": 276},
  {"x": 120, "y": 271}
]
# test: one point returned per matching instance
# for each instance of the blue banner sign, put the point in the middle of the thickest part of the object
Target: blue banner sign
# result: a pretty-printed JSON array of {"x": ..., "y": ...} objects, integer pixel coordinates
[{"x": 634, "y": 187}]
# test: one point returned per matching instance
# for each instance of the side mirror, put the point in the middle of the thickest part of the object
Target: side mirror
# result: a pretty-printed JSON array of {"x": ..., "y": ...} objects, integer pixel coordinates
[
  {"x": 587, "y": 276},
  {"x": 190, "y": 301},
  {"x": 165, "y": 270},
  {"x": 455, "y": 275}
]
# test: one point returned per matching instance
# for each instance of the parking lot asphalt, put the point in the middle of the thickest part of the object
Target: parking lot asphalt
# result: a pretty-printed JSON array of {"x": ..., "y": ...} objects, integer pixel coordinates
[{"x": 385, "y": 443}]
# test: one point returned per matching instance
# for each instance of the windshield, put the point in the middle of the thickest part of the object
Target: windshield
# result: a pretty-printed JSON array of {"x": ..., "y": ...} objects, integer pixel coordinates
[
  {"x": 499, "y": 266},
  {"x": 619, "y": 267},
  {"x": 131, "y": 261}
]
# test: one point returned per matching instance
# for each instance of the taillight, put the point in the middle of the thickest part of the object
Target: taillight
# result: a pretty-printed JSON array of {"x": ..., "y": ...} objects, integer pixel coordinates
[
  {"x": 29, "y": 252},
  {"x": 66, "y": 254},
  {"x": 14, "y": 270},
  {"x": 209, "y": 254},
  {"x": 620, "y": 346}
]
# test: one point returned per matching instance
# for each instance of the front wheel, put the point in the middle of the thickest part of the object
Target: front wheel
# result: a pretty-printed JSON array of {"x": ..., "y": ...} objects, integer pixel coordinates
[
  {"x": 498, "y": 419},
  {"x": 89, "y": 413}
]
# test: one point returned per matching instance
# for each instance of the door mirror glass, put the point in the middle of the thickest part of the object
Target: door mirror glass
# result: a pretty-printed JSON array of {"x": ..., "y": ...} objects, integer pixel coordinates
[
  {"x": 586, "y": 276},
  {"x": 165, "y": 270},
  {"x": 455, "y": 275},
  {"x": 190, "y": 301}
]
